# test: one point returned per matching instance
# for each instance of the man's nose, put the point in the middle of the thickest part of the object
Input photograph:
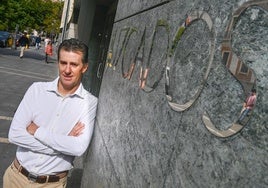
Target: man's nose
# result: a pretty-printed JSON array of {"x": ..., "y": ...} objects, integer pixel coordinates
[{"x": 68, "y": 69}]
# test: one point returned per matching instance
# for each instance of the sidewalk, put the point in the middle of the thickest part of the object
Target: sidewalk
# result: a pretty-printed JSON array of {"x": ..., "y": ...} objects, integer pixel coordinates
[{"x": 31, "y": 52}]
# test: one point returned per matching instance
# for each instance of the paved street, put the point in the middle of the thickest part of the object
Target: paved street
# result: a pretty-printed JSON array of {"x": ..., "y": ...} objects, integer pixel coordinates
[{"x": 16, "y": 76}]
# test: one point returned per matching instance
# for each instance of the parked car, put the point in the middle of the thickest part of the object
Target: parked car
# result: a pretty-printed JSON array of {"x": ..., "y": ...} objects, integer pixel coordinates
[
  {"x": 6, "y": 39},
  {"x": 17, "y": 39}
]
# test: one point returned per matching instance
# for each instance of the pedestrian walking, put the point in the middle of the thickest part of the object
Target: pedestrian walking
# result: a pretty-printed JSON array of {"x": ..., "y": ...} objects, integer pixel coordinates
[
  {"x": 23, "y": 42},
  {"x": 48, "y": 50},
  {"x": 248, "y": 105},
  {"x": 37, "y": 42}
]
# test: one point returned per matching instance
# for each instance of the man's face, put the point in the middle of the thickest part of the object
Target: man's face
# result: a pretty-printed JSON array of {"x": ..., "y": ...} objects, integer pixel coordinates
[{"x": 71, "y": 69}]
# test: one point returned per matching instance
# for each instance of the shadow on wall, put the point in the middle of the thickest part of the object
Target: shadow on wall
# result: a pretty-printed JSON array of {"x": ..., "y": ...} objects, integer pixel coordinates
[{"x": 75, "y": 179}]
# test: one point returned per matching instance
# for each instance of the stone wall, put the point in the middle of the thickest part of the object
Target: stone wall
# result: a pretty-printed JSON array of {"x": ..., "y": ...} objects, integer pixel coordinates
[{"x": 164, "y": 72}]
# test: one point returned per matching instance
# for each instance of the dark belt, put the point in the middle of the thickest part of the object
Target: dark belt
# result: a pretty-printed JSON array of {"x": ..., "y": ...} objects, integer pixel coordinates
[{"x": 39, "y": 179}]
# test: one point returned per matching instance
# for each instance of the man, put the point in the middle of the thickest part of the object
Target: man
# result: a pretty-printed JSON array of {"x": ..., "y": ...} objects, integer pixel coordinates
[
  {"x": 248, "y": 105},
  {"x": 23, "y": 42},
  {"x": 37, "y": 42},
  {"x": 53, "y": 124}
]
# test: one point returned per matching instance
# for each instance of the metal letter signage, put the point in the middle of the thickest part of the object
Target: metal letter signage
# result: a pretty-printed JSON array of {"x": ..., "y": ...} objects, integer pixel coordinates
[
  {"x": 233, "y": 63},
  {"x": 194, "y": 16}
]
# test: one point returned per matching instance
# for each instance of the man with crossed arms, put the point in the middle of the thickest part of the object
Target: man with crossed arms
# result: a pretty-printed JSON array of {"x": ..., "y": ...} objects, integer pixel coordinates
[{"x": 53, "y": 123}]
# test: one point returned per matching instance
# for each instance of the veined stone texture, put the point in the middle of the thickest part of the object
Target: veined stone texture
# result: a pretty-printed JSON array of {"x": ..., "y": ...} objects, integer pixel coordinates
[
  {"x": 139, "y": 141},
  {"x": 128, "y": 8}
]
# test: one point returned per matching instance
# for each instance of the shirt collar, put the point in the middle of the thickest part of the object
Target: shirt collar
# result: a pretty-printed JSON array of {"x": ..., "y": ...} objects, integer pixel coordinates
[{"x": 53, "y": 87}]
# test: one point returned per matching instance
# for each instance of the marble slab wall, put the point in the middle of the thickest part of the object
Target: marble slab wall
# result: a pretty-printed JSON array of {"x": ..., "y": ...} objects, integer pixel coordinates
[{"x": 142, "y": 138}]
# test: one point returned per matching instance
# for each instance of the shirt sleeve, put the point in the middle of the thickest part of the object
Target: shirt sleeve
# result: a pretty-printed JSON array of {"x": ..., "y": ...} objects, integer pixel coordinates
[
  {"x": 71, "y": 145},
  {"x": 251, "y": 101},
  {"x": 18, "y": 134}
]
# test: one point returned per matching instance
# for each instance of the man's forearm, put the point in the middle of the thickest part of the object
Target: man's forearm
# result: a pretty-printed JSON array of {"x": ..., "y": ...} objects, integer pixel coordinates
[{"x": 32, "y": 128}]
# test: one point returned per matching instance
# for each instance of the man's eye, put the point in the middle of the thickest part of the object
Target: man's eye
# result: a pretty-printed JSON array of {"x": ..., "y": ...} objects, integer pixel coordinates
[
  {"x": 63, "y": 63},
  {"x": 74, "y": 65}
]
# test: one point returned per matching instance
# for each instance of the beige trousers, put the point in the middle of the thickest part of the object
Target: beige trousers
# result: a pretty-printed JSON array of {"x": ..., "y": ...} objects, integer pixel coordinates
[
  {"x": 22, "y": 48},
  {"x": 14, "y": 179}
]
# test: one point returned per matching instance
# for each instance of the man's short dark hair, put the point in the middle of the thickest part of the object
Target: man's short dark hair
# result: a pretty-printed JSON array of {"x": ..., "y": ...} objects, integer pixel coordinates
[
  {"x": 74, "y": 45},
  {"x": 253, "y": 90}
]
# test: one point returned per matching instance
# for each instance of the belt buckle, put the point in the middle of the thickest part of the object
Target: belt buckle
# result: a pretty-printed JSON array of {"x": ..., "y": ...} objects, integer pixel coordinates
[{"x": 32, "y": 177}]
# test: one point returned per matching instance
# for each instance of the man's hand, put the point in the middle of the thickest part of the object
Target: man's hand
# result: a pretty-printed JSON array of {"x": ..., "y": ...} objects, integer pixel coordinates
[
  {"x": 32, "y": 128},
  {"x": 77, "y": 129}
]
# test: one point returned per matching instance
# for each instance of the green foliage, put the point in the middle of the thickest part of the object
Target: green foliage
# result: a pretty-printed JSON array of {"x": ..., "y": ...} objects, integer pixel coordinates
[
  {"x": 41, "y": 15},
  {"x": 176, "y": 40}
]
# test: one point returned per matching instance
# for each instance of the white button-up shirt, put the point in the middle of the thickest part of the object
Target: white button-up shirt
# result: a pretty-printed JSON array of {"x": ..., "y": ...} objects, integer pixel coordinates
[{"x": 50, "y": 149}]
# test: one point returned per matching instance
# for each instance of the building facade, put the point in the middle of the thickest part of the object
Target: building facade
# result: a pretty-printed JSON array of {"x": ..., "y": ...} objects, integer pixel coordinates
[{"x": 171, "y": 77}]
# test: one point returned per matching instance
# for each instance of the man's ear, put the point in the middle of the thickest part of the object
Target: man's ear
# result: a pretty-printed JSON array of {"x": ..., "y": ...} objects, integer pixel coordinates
[{"x": 85, "y": 67}]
